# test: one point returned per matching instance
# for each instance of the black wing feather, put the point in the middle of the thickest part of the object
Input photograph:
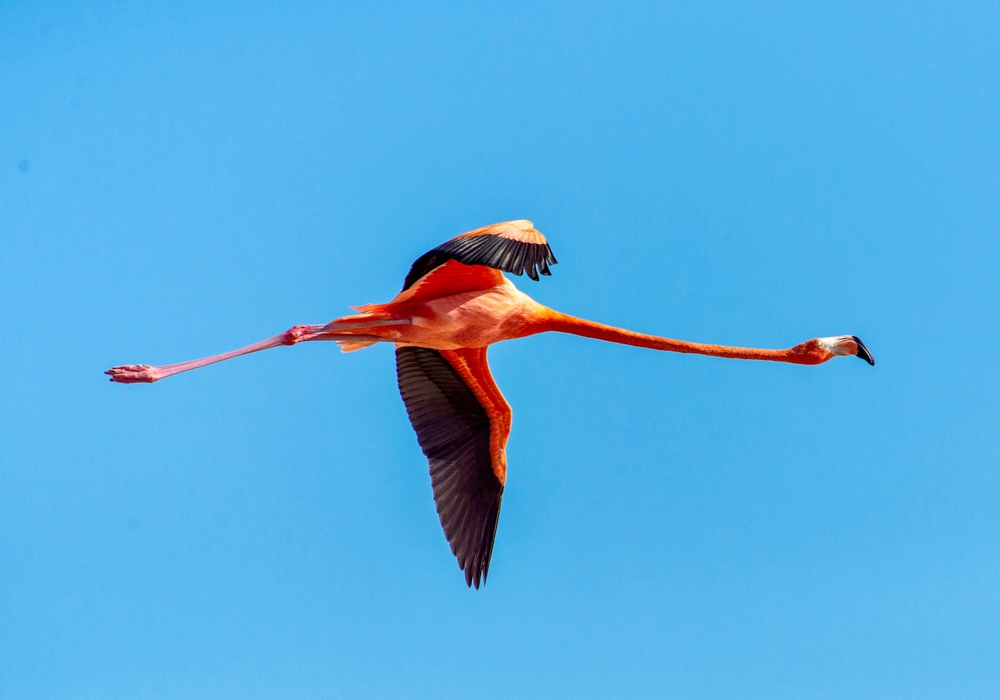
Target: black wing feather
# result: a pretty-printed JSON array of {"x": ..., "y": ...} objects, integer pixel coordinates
[
  {"x": 491, "y": 250},
  {"x": 453, "y": 430}
]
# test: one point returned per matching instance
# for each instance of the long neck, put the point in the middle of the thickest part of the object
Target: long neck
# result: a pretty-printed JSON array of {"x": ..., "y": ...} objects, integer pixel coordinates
[{"x": 550, "y": 320}]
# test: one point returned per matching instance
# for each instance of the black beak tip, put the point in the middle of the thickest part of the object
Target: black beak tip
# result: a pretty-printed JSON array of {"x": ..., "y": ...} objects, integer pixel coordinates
[{"x": 863, "y": 352}]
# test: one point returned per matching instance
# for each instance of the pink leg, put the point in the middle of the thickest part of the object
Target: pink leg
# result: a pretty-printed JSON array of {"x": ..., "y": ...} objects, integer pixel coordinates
[{"x": 132, "y": 374}]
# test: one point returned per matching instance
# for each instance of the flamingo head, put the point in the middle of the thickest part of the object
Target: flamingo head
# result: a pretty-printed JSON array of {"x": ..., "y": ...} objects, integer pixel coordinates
[{"x": 842, "y": 345}]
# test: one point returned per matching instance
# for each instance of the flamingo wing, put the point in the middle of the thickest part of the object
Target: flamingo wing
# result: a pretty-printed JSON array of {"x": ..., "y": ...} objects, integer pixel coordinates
[
  {"x": 462, "y": 423},
  {"x": 511, "y": 246}
]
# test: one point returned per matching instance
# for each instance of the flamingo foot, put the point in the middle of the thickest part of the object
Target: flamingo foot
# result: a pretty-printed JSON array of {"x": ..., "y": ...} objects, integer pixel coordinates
[{"x": 133, "y": 374}]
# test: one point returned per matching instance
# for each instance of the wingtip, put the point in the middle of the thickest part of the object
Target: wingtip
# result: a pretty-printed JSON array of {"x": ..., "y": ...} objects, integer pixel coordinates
[
  {"x": 863, "y": 352},
  {"x": 475, "y": 575}
]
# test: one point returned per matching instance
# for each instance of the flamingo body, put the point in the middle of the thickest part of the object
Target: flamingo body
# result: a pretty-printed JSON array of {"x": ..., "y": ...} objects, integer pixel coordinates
[{"x": 467, "y": 319}]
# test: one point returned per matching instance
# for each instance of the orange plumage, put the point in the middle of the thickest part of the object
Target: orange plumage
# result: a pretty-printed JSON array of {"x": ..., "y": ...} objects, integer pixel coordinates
[{"x": 455, "y": 303}]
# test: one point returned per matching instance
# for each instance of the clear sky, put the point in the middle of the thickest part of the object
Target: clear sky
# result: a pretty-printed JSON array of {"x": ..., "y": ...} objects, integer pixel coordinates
[{"x": 178, "y": 182}]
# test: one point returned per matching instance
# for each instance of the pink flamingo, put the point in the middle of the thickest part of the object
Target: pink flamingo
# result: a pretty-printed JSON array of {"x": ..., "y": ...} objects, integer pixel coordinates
[{"x": 455, "y": 303}]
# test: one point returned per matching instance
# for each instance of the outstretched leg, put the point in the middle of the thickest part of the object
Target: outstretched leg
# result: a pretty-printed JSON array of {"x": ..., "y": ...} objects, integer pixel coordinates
[{"x": 133, "y": 374}]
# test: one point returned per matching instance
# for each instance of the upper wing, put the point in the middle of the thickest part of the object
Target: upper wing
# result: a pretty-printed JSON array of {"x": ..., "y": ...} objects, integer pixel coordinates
[
  {"x": 462, "y": 423},
  {"x": 511, "y": 246}
]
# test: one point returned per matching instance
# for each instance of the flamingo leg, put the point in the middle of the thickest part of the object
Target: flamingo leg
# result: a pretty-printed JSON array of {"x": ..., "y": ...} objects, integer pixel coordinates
[{"x": 133, "y": 374}]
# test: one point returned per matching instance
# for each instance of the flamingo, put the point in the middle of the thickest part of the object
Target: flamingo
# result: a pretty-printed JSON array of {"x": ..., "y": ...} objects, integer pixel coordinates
[{"x": 454, "y": 304}]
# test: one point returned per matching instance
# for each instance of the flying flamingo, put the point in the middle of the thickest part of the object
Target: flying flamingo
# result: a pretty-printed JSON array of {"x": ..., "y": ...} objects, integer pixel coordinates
[{"x": 455, "y": 303}]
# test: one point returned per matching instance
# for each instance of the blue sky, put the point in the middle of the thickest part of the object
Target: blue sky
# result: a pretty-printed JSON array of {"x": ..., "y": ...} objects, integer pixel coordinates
[{"x": 178, "y": 182}]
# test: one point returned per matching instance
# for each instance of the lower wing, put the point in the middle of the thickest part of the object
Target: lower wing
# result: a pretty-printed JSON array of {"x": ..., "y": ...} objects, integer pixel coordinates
[{"x": 462, "y": 422}]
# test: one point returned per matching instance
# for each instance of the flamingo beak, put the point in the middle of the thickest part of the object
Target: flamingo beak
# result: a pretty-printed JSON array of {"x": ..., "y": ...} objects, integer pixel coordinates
[{"x": 863, "y": 352}]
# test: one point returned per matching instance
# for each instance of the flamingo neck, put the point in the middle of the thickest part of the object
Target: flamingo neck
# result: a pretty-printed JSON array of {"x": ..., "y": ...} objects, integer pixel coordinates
[{"x": 551, "y": 320}]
